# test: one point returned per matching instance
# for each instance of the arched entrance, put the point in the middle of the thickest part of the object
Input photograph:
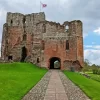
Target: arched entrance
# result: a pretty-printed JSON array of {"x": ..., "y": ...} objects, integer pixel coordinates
[
  {"x": 23, "y": 54},
  {"x": 55, "y": 63}
]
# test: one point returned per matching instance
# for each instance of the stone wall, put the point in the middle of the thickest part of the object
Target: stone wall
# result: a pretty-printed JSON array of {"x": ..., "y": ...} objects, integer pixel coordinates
[
  {"x": 18, "y": 25},
  {"x": 42, "y": 39}
]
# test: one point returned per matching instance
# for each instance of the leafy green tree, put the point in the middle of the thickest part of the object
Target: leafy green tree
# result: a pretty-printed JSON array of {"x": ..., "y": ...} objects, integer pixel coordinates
[
  {"x": 86, "y": 65},
  {"x": 98, "y": 71}
]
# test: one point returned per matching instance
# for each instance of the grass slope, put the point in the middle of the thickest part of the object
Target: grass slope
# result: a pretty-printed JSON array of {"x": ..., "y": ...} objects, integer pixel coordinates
[
  {"x": 89, "y": 86},
  {"x": 16, "y": 79},
  {"x": 94, "y": 76}
]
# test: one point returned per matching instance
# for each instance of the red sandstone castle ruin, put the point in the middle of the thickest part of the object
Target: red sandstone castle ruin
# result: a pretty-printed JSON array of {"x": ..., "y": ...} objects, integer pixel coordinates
[{"x": 32, "y": 38}]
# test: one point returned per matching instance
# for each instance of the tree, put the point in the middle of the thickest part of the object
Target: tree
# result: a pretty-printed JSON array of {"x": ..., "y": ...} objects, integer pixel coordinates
[{"x": 86, "y": 65}]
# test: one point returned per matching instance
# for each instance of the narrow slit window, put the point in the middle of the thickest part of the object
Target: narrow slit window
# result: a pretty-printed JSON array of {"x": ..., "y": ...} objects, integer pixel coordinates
[
  {"x": 43, "y": 45},
  {"x": 11, "y": 22},
  {"x": 38, "y": 60},
  {"x": 44, "y": 28},
  {"x": 24, "y": 37},
  {"x": 24, "y": 20},
  {"x": 67, "y": 45}
]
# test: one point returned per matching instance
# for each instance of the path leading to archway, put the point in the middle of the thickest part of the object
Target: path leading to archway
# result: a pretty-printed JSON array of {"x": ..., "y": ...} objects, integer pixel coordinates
[
  {"x": 55, "y": 86},
  {"x": 55, "y": 90}
]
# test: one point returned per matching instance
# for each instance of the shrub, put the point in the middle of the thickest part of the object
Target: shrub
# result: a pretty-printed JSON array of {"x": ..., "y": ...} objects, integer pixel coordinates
[
  {"x": 95, "y": 71},
  {"x": 98, "y": 71}
]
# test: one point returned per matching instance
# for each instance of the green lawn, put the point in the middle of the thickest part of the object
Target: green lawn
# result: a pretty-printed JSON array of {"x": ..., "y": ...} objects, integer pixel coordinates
[
  {"x": 16, "y": 79},
  {"x": 94, "y": 76},
  {"x": 89, "y": 86}
]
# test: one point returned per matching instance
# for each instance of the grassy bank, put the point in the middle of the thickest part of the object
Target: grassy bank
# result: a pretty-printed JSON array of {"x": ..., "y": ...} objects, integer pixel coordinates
[
  {"x": 89, "y": 86},
  {"x": 16, "y": 79},
  {"x": 94, "y": 76}
]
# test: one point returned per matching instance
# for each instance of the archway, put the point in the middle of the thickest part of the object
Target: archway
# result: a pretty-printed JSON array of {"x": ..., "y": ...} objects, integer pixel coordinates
[
  {"x": 55, "y": 63},
  {"x": 10, "y": 57},
  {"x": 23, "y": 54}
]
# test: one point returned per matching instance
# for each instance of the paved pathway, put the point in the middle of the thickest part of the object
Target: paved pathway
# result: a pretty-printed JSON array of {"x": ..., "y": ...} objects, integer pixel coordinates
[
  {"x": 55, "y": 90},
  {"x": 73, "y": 92},
  {"x": 39, "y": 90},
  {"x": 55, "y": 86}
]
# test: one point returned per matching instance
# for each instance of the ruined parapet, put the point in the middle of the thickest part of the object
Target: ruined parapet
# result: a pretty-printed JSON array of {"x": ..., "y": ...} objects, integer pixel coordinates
[
  {"x": 73, "y": 27},
  {"x": 49, "y": 26},
  {"x": 18, "y": 19},
  {"x": 14, "y": 19}
]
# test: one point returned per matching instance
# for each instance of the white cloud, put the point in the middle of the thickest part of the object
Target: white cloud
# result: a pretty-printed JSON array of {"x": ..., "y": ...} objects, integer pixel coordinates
[
  {"x": 92, "y": 46},
  {"x": 97, "y": 46},
  {"x": 58, "y": 10},
  {"x": 97, "y": 31},
  {"x": 88, "y": 46},
  {"x": 92, "y": 55},
  {"x": 2, "y": 14}
]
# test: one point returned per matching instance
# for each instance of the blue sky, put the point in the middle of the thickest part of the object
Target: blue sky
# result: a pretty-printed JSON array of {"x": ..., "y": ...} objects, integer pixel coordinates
[
  {"x": 92, "y": 46},
  {"x": 92, "y": 39},
  {"x": 88, "y": 11}
]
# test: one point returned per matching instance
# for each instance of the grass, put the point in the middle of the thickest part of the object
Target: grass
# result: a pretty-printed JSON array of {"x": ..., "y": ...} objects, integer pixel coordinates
[
  {"x": 89, "y": 86},
  {"x": 16, "y": 79},
  {"x": 94, "y": 76}
]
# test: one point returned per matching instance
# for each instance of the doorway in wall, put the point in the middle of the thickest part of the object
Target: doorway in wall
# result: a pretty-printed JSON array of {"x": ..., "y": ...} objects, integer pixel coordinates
[
  {"x": 23, "y": 54},
  {"x": 55, "y": 63}
]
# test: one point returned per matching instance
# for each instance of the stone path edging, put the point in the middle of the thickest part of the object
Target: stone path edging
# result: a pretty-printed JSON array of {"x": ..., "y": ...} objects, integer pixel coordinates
[
  {"x": 73, "y": 92},
  {"x": 55, "y": 86},
  {"x": 38, "y": 91}
]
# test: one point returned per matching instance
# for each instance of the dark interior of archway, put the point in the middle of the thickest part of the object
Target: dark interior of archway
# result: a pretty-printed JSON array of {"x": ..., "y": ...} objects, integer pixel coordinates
[
  {"x": 52, "y": 60},
  {"x": 24, "y": 54},
  {"x": 9, "y": 57}
]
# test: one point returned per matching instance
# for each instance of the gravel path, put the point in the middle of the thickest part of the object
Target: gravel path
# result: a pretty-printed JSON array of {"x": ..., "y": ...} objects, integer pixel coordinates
[
  {"x": 73, "y": 92},
  {"x": 38, "y": 91},
  {"x": 55, "y": 86}
]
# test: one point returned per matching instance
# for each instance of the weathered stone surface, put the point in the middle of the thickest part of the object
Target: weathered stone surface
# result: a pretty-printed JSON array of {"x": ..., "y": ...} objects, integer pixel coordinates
[
  {"x": 42, "y": 40},
  {"x": 73, "y": 92},
  {"x": 39, "y": 90},
  {"x": 55, "y": 89},
  {"x": 55, "y": 86}
]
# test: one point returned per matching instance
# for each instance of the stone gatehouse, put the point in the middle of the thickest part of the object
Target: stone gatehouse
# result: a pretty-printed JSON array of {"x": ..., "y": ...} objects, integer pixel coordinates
[{"x": 33, "y": 39}]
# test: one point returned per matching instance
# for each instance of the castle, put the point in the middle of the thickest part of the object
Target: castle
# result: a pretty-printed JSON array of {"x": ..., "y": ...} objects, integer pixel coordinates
[{"x": 32, "y": 38}]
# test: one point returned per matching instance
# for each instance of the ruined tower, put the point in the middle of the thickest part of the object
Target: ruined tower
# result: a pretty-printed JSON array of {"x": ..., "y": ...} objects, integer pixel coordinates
[{"x": 32, "y": 38}]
